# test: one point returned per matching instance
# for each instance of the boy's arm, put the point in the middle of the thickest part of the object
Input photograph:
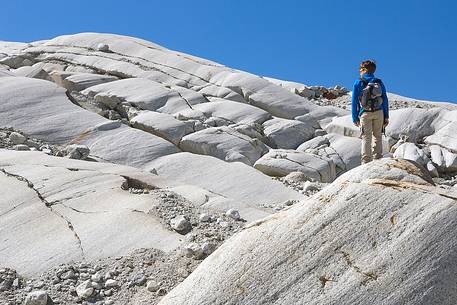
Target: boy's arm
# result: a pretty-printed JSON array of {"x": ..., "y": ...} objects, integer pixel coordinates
[
  {"x": 385, "y": 104},
  {"x": 355, "y": 102}
]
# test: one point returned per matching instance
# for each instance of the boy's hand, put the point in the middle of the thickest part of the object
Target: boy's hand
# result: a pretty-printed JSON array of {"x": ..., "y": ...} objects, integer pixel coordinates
[
  {"x": 357, "y": 123},
  {"x": 386, "y": 122}
]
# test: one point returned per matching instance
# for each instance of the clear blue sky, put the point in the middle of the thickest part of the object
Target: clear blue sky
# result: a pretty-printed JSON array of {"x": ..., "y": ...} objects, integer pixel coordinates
[{"x": 313, "y": 42}]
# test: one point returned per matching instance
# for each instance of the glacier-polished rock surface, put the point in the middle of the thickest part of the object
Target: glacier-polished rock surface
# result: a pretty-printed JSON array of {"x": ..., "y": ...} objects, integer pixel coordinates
[
  {"x": 380, "y": 234},
  {"x": 57, "y": 210}
]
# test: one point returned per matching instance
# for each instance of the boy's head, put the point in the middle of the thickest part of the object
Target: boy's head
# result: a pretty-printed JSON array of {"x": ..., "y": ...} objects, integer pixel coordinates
[{"x": 367, "y": 66}]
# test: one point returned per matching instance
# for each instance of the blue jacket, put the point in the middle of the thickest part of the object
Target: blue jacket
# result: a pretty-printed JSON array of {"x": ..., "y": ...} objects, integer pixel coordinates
[{"x": 357, "y": 109}]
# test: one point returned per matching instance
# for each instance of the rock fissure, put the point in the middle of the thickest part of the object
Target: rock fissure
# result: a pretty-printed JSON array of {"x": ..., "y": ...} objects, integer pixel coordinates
[
  {"x": 29, "y": 184},
  {"x": 72, "y": 229},
  {"x": 80, "y": 211},
  {"x": 125, "y": 58},
  {"x": 13, "y": 208},
  {"x": 368, "y": 274},
  {"x": 48, "y": 205},
  {"x": 307, "y": 166},
  {"x": 342, "y": 161},
  {"x": 184, "y": 99}
]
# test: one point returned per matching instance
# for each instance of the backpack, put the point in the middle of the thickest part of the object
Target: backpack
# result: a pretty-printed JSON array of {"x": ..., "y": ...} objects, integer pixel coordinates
[{"x": 371, "y": 97}]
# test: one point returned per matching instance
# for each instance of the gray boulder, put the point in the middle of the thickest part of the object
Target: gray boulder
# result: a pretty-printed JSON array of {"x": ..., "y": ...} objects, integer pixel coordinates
[
  {"x": 281, "y": 162},
  {"x": 79, "y": 152},
  {"x": 162, "y": 125},
  {"x": 287, "y": 134},
  {"x": 412, "y": 152},
  {"x": 17, "y": 138},
  {"x": 444, "y": 160},
  {"x": 224, "y": 143}
]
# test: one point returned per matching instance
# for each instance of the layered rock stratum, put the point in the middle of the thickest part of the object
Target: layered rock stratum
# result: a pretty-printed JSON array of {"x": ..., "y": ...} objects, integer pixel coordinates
[{"x": 124, "y": 165}]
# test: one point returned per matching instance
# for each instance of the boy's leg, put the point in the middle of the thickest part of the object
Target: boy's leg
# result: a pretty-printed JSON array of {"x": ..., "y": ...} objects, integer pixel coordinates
[
  {"x": 378, "y": 121},
  {"x": 367, "y": 128}
]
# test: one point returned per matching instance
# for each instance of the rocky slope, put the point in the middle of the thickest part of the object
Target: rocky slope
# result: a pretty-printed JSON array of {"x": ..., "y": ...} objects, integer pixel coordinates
[{"x": 123, "y": 161}]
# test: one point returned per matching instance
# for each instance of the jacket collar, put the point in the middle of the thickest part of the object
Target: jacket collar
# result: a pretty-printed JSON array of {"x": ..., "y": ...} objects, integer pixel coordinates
[{"x": 368, "y": 76}]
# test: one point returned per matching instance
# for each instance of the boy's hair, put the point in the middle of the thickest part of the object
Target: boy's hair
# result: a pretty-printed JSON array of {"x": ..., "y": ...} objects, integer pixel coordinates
[{"x": 368, "y": 66}]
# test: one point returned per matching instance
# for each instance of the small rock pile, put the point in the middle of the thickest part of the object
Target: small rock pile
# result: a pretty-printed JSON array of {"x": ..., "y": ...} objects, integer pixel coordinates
[
  {"x": 300, "y": 183},
  {"x": 15, "y": 140},
  {"x": 204, "y": 231},
  {"x": 9, "y": 279},
  {"x": 344, "y": 101},
  {"x": 446, "y": 180},
  {"x": 101, "y": 282},
  {"x": 317, "y": 92}
]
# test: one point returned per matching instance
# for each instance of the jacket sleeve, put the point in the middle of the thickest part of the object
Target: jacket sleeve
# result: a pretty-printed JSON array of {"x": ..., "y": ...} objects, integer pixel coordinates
[
  {"x": 385, "y": 104},
  {"x": 355, "y": 102}
]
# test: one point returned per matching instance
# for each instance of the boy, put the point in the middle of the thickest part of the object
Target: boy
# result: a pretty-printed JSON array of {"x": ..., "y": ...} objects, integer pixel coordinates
[{"x": 370, "y": 110}]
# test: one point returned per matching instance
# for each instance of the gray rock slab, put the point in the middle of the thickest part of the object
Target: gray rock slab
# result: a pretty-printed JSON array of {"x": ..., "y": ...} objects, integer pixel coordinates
[
  {"x": 74, "y": 81},
  {"x": 235, "y": 181},
  {"x": 281, "y": 162},
  {"x": 224, "y": 143},
  {"x": 287, "y": 134},
  {"x": 162, "y": 125},
  {"x": 57, "y": 211}
]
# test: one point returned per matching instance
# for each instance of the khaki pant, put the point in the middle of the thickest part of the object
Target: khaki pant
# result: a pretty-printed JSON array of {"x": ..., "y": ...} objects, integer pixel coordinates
[{"x": 371, "y": 123}]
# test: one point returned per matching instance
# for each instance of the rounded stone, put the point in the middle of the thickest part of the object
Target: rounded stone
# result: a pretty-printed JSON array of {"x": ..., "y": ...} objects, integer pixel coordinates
[
  {"x": 111, "y": 283},
  {"x": 139, "y": 279},
  {"x": 295, "y": 177},
  {"x": 194, "y": 250},
  {"x": 17, "y": 138},
  {"x": 207, "y": 248},
  {"x": 180, "y": 224},
  {"x": 97, "y": 277},
  {"x": 234, "y": 214},
  {"x": 204, "y": 217},
  {"x": 79, "y": 152},
  {"x": 85, "y": 290},
  {"x": 152, "y": 286},
  {"x": 21, "y": 147},
  {"x": 102, "y": 47},
  {"x": 37, "y": 298}
]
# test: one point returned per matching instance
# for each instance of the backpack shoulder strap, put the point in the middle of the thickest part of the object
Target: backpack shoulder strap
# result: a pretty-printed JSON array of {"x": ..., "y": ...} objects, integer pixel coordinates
[{"x": 364, "y": 81}]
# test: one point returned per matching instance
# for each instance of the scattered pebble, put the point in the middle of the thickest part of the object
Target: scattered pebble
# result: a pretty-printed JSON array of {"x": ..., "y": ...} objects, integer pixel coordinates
[
  {"x": 102, "y": 47},
  {"x": 36, "y": 298},
  {"x": 111, "y": 283},
  {"x": 85, "y": 290},
  {"x": 79, "y": 152},
  {"x": 204, "y": 217},
  {"x": 21, "y": 147},
  {"x": 180, "y": 224},
  {"x": 234, "y": 214},
  {"x": 152, "y": 286}
]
